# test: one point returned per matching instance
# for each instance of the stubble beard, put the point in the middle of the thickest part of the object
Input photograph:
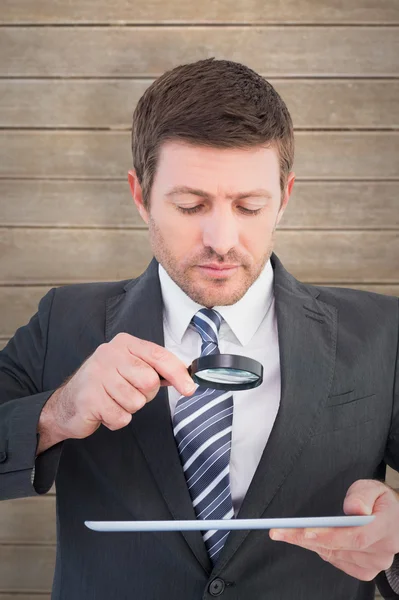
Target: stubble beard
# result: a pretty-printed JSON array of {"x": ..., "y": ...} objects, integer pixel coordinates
[{"x": 215, "y": 293}]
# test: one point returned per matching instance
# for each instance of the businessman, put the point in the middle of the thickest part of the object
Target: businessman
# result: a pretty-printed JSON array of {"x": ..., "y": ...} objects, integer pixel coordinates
[{"x": 82, "y": 404}]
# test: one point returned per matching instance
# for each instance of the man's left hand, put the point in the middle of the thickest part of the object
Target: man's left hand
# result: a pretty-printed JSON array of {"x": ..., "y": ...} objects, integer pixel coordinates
[{"x": 361, "y": 552}]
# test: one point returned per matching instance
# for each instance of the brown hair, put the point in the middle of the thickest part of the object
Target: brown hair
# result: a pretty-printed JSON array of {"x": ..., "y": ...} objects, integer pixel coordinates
[{"x": 216, "y": 103}]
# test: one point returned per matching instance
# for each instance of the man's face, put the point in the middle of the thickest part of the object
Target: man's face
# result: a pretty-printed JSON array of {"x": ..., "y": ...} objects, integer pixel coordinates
[{"x": 212, "y": 217}]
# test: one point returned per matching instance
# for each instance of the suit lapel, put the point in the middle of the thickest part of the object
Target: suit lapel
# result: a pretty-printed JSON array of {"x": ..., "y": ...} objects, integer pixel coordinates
[
  {"x": 307, "y": 333},
  {"x": 138, "y": 311}
]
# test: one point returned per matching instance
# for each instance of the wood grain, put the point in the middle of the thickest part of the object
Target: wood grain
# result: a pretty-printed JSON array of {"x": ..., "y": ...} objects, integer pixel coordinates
[
  {"x": 149, "y": 51},
  {"x": 3, "y": 342},
  {"x": 179, "y": 11},
  {"x": 52, "y": 256},
  {"x": 28, "y": 596},
  {"x": 87, "y": 103},
  {"x": 26, "y": 568},
  {"x": 104, "y": 204},
  {"x": 28, "y": 521},
  {"x": 107, "y": 155},
  {"x": 392, "y": 478}
]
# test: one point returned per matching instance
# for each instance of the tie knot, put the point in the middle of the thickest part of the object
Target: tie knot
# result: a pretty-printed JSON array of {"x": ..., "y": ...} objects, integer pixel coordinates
[{"x": 207, "y": 322}]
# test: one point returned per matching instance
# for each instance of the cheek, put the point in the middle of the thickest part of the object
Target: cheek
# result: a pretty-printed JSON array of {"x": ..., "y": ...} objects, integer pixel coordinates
[
  {"x": 257, "y": 235},
  {"x": 180, "y": 234}
]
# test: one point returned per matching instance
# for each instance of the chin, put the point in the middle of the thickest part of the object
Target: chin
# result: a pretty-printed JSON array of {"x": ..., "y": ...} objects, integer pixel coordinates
[{"x": 215, "y": 297}]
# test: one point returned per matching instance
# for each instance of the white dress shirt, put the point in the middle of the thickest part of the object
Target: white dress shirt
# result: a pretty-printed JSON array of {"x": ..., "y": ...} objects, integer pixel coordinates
[{"x": 249, "y": 328}]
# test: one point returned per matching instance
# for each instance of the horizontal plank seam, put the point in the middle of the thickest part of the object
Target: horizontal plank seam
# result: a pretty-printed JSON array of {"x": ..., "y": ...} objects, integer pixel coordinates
[
  {"x": 62, "y": 283},
  {"x": 381, "y": 129},
  {"x": 301, "y": 179},
  {"x": 30, "y": 285},
  {"x": 124, "y": 24},
  {"x": 278, "y": 78},
  {"x": 120, "y": 179},
  {"x": 143, "y": 228},
  {"x": 29, "y": 594},
  {"x": 30, "y": 544},
  {"x": 23, "y": 544},
  {"x": 24, "y": 593},
  {"x": 316, "y": 76}
]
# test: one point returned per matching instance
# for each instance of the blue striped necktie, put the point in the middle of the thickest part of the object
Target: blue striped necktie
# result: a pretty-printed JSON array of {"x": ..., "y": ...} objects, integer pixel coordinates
[{"x": 202, "y": 426}]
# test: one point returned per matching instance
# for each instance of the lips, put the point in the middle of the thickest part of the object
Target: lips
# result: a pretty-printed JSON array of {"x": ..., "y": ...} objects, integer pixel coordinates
[{"x": 218, "y": 267}]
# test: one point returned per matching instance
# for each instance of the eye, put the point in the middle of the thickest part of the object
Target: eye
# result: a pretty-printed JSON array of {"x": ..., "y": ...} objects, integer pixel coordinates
[
  {"x": 194, "y": 209},
  {"x": 189, "y": 211},
  {"x": 247, "y": 211}
]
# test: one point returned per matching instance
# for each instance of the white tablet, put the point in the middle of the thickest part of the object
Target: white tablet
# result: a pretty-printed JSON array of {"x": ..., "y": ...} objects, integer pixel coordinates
[{"x": 229, "y": 524}]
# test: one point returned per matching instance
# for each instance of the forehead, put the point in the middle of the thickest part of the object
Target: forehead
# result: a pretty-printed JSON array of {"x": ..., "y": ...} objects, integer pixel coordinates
[{"x": 185, "y": 164}]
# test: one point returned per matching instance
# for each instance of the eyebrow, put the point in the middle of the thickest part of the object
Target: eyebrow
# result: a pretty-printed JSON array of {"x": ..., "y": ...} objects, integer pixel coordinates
[{"x": 183, "y": 189}]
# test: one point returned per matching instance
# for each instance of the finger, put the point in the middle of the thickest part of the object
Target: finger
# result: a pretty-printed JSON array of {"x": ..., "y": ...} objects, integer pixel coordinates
[
  {"x": 362, "y": 495},
  {"x": 140, "y": 375},
  {"x": 113, "y": 416},
  {"x": 357, "y": 539},
  {"x": 125, "y": 395},
  {"x": 376, "y": 560},
  {"x": 158, "y": 357},
  {"x": 334, "y": 538},
  {"x": 165, "y": 383}
]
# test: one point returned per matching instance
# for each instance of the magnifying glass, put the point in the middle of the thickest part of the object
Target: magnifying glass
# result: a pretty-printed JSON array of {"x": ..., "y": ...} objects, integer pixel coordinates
[{"x": 226, "y": 372}]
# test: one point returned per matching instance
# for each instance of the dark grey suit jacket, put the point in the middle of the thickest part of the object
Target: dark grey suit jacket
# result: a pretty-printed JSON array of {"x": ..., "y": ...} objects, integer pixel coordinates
[{"x": 338, "y": 422}]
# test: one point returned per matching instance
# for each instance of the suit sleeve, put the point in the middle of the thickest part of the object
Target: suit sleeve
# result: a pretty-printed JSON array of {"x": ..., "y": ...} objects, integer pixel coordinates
[
  {"x": 388, "y": 581},
  {"x": 21, "y": 401}
]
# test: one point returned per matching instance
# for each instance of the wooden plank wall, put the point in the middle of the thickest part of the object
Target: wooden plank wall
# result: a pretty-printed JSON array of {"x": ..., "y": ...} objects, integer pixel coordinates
[{"x": 70, "y": 75}]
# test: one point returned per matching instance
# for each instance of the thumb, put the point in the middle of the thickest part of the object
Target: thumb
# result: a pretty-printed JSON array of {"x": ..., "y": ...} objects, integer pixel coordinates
[{"x": 362, "y": 496}]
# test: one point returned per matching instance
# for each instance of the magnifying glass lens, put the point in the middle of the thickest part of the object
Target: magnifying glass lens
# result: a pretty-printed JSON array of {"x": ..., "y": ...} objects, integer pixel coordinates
[{"x": 229, "y": 376}]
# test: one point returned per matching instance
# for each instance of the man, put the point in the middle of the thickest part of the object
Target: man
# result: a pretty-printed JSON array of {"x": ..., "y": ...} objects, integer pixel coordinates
[{"x": 82, "y": 400}]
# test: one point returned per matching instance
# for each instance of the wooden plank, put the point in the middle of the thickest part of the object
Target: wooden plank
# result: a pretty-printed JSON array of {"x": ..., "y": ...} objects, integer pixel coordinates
[
  {"x": 26, "y": 568},
  {"x": 179, "y": 11},
  {"x": 392, "y": 478},
  {"x": 150, "y": 51},
  {"x": 28, "y": 521},
  {"x": 313, "y": 205},
  {"x": 326, "y": 104},
  {"x": 107, "y": 155},
  {"x": 19, "y": 304},
  {"x": 47, "y": 256},
  {"x": 342, "y": 205},
  {"x": 388, "y": 290},
  {"x": 28, "y": 596},
  {"x": 73, "y": 203}
]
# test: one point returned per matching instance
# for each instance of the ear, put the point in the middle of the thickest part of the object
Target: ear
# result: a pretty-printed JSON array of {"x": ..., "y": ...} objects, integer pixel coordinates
[
  {"x": 137, "y": 195},
  {"x": 287, "y": 194}
]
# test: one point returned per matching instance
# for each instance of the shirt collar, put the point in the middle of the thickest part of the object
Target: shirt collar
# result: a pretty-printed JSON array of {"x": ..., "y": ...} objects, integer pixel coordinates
[{"x": 244, "y": 317}]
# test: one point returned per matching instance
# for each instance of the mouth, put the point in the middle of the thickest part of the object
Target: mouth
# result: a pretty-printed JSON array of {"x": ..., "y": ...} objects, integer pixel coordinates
[{"x": 219, "y": 271}]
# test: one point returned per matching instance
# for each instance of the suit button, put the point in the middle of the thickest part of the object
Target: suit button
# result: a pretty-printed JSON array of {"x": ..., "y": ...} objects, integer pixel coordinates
[
  {"x": 216, "y": 587},
  {"x": 3, "y": 457}
]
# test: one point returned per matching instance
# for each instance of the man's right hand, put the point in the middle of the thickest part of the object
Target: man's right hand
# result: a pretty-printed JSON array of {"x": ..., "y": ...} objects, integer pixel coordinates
[{"x": 118, "y": 379}]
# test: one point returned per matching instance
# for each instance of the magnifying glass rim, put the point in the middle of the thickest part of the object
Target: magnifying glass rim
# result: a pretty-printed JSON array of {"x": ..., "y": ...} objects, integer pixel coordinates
[{"x": 230, "y": 361}]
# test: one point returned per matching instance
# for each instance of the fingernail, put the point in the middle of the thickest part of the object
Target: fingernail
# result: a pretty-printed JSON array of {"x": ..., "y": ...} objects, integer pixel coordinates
[
  {"x": 310, "y": 535},
  {"x": 277, "y": 535},
  {"x": 189, "y": 388}
]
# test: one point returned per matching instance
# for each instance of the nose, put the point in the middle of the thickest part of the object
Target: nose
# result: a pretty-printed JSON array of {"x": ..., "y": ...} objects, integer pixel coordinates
[{"x": 220, "y": 231}]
